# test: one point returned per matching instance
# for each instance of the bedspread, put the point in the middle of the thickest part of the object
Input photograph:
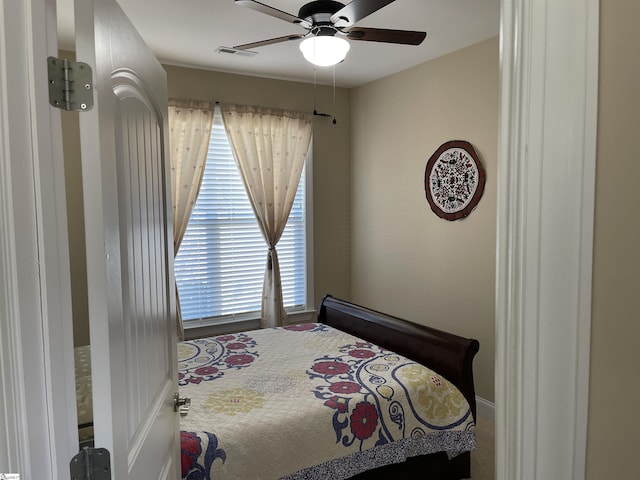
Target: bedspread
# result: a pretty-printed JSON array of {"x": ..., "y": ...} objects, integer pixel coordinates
[
  {"x": 84, "y": 395},
  {"x": 310, "y": 402}
]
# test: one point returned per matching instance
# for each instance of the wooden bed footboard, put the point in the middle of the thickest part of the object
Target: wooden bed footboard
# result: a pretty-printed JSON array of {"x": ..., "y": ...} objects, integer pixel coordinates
[{"x": 445, "y": 353}]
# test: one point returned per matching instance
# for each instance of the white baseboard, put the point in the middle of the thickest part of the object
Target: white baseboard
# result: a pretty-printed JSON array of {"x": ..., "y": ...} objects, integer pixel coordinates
[{"x": 485, "y": 409}]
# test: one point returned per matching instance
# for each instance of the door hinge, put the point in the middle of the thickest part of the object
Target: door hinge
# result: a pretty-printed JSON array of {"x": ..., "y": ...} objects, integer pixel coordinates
[
  {"x": 91, "y": 464},
  {"x": 70, "y": 84}
]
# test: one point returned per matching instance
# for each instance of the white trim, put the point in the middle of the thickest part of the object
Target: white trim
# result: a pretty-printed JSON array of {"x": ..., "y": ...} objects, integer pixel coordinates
[
  {"x": 36, "y": 340},
  {"x": 13, "y": 441},
  {"x": 234, "y": 325},
  {"x": 53, "y": 247},
  {"x": 485, "y": 409},
  {"x": 546, "y": 177},
  {"x": 19, "y": 278}
]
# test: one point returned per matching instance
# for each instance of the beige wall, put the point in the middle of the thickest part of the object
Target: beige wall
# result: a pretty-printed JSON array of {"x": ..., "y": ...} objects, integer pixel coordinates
[
  {"x": 75, "y": 227},
  {"x": 614, "y": 418},
  {"x": 75, "y": 222},
  {"x": 405, "y": 260}
]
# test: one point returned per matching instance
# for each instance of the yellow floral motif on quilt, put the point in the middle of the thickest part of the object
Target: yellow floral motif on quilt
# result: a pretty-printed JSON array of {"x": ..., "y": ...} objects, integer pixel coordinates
[
  {"x": 186, "y": 350},
  {"x": 231, "y": 402},
  {"x": 435, "y": 394}
]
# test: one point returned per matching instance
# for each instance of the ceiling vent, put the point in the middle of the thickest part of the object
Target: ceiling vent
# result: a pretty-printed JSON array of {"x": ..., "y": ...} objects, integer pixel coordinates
[{"x": 234, "y": 51}]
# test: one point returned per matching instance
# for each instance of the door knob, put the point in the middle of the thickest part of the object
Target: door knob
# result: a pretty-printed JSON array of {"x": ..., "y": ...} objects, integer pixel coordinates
[{"x": 181, "y": 404}]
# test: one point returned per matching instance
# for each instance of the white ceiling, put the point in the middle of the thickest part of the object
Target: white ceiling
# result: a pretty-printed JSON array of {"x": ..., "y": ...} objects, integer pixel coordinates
[{"x": 187, "y": 32}]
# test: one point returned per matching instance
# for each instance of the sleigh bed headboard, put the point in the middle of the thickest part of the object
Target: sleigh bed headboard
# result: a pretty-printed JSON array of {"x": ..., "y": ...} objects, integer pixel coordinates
[{"x": 447, "y": 354}]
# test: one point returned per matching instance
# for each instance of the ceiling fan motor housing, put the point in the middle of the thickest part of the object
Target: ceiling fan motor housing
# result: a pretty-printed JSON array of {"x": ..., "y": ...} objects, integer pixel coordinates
[{"x": 319, "y": 12}]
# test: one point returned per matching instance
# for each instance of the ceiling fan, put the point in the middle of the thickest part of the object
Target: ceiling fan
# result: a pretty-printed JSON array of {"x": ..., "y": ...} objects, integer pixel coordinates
[{"x": 330, "y": 22}]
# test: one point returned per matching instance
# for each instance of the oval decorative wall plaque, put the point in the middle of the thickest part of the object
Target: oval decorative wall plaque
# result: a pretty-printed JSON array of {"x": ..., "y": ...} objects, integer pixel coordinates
[{"x": 454, "y": 180}]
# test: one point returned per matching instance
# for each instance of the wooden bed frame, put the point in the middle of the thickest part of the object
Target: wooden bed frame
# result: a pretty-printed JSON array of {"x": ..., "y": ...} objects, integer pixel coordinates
[{"x": 447, "y": 354}]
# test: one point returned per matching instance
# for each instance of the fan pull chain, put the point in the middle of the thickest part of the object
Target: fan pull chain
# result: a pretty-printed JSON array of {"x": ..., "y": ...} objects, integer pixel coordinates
[
  {"x": 334, "y": 96},
  {"x": 315, "y": 93},
  {"x": 315, "y": 83}
]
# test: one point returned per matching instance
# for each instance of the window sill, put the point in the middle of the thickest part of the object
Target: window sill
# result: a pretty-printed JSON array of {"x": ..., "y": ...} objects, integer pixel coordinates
[{"x": 210, "y": 328}]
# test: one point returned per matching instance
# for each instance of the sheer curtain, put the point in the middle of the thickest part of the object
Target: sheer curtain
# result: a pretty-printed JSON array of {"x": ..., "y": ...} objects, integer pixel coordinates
[
  {"x": 189, "y": 132},
  {"x": 270, "y": 146}
]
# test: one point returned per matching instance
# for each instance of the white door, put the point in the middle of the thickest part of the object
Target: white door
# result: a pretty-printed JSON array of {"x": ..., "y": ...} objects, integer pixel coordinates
[{"x": 129, "y": 242}]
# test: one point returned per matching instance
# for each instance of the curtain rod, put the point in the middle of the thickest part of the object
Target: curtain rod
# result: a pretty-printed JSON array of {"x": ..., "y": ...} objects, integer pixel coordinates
[{"x": 315, "y": 113}]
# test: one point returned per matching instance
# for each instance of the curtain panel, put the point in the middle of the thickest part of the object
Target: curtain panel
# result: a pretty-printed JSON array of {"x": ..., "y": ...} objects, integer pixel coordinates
[
  {"x": 190, "y": 124},
  {"x": 270, "y": 146}
]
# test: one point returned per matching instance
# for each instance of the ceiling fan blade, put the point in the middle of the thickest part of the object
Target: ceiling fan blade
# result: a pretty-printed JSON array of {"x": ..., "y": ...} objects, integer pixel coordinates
[
  {"x": 270, "y": 41},
  {"x": 356, "y": 11},
  {"x": 405, "y": 37},
  {"x": 273, "y": 12}
]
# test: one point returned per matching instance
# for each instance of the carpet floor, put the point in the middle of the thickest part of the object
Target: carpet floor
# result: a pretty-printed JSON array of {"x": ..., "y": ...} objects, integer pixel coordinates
[{"x": 482, "y": 458}]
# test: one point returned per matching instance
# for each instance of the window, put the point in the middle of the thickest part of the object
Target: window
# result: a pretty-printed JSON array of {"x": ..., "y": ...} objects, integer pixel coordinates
[{"x": 220, "y": 265}]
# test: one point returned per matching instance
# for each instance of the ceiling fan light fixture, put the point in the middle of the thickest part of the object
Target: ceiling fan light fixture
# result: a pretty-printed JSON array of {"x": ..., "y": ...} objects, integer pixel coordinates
[{"x": 324, "y": 50}]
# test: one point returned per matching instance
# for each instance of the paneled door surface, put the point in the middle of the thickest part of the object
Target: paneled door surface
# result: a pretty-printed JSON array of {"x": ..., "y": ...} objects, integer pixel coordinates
[{"x": 129, "y": 244}]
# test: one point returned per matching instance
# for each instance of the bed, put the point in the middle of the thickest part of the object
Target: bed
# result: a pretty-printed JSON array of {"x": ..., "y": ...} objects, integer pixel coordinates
[
  {"x": 84, "y": 395},
  {"x": 360, "y": 394}
]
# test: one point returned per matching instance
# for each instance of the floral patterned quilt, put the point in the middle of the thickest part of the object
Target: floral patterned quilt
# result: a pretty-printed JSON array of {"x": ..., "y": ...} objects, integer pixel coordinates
[
  {"x": 310, "y": 402},
  {"x": 84, "y": 394}
]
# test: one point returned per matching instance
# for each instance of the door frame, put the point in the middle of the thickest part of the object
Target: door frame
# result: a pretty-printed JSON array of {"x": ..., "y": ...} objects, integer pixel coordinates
[
  {"x": 36, "y": 329},
  {"x": 542, "y": 44},
  {"x": 546, "y": 194}
]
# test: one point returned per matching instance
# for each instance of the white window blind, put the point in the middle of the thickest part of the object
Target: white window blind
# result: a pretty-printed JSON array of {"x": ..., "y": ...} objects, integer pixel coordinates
[{"x": 220, "y": 266}]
